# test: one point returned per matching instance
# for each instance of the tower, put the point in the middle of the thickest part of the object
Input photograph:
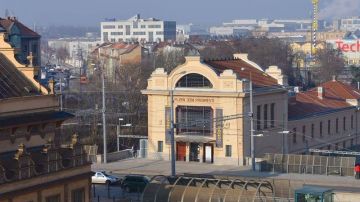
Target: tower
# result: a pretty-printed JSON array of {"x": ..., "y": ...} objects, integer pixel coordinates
[{"x": 314, "y": 26}]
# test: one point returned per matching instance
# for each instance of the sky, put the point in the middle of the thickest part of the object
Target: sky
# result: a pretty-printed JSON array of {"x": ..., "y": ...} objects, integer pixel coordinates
[{"x": 91, "y": 12}]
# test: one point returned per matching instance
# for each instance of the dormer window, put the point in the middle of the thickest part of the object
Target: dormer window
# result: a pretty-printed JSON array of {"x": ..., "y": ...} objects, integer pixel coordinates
[{"x": 194, "y": 81}]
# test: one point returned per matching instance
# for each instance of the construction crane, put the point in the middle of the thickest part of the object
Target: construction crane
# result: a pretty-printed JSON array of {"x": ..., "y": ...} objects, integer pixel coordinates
[{"x": 314, "y": 26}]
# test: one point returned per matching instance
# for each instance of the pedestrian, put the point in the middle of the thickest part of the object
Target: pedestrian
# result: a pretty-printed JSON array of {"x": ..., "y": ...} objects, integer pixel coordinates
[
  {"x": 133, "y": 151},
  {"x": 357, "y": 171}
]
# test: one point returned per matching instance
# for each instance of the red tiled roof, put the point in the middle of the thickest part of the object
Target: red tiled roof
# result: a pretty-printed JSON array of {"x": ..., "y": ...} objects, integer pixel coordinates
[
  {"x": 7, "y": 23},
  {"x": 124, "y": 47},
  {"x": 308, "y": 103},
  {"x": 258, "y": 77}
]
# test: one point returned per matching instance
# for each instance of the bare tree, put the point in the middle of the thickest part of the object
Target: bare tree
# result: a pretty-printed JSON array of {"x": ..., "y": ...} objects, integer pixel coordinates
[{"x": 328, "y": 62}]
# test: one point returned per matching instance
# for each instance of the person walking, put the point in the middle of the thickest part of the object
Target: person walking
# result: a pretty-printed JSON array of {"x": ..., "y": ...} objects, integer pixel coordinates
[
  {"x": 133, "y": 151},
  {"x": 357, "y": 171}
]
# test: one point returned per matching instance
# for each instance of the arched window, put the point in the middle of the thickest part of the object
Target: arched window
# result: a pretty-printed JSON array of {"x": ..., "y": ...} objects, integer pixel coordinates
[{"x": 194, "y": 81}]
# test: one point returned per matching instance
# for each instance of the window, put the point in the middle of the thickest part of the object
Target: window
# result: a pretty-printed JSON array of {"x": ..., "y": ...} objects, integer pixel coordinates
[
  {"x": 194, "y": 120},
  {"x": 160, "y": 146},
  {"x": 116, "y": 33},
  {"x": 336, "y": 146},
  {"x": 135, "y": 25},
  {"x": 154, "y": 26},
  {"x": 106, "y": 36},
  {"x": 321, "y": 129},
  {"x": 258, "y": 117},
  {"x": 194, "y": 81},
  {"x": 228, "y": 151},
  {"x": 53, "y": 198},
  {"x": 352, "y": 122},
  {"x": 272, "y": 115},
  {"x": 329, "y": 127},
  {"x": 337, "y": 125},
  {"x": 312, "y": 130},
  {"x": 139, "y": 33},
  {"x": 344, "y": 123},
  {"x": 303, "y": 133},
  {"x": 127, "y": 29},
  {"x": 265, "y": 116},
  {"x": 159, "y": 33},
  {"x": 120, "y": 27},
  {"x": 143, "y": 26},
  {"x": 78, "y": 195},
  {"x": 294, "y": 136},
  {"x": 109, "y": 27}
]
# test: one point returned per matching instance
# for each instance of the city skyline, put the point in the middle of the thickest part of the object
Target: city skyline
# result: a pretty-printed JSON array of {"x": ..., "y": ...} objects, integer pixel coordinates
[{"x": 82, "y": 12}]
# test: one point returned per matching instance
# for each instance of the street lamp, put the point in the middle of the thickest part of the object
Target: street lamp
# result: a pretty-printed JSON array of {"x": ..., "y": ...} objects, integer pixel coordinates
[{"x": 172, "y": 125}]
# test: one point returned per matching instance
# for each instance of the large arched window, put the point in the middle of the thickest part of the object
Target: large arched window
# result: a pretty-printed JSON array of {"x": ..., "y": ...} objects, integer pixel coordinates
[{"x": 194, "y": 81}]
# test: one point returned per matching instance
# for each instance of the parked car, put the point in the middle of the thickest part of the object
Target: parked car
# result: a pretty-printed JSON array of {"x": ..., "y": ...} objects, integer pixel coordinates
[
  {"x": 134, "y": 183},
  {"x": 102, "y": 177}
]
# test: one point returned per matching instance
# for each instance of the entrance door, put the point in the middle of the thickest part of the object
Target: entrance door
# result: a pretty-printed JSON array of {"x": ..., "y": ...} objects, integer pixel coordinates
[
  {"x": 181, "y": 151},
  {"x": 194, "y": 152},
  {"x": 208, "y": 153}
]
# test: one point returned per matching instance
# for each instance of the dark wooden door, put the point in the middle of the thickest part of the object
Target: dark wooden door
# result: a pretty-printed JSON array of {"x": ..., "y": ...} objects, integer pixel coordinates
[{"x": 181, "y": 151}]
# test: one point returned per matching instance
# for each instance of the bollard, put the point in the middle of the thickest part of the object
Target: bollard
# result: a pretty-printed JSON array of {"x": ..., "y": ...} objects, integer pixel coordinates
[{"x": 94, "y": 191}]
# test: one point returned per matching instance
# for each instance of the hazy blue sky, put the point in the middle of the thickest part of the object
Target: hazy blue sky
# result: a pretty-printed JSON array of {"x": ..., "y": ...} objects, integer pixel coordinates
[{"x": 91, "y": 12}]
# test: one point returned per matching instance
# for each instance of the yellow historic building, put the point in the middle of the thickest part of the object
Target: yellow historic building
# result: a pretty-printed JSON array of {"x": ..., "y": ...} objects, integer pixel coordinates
[
  {"x": 34, "y": 165},
  {"x": 211, "y": 109},
  {"x": 212, "y": 112}
]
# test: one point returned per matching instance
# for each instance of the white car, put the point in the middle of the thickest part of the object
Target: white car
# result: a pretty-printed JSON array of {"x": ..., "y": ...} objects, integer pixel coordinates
[{"x": 102, "y": 177}]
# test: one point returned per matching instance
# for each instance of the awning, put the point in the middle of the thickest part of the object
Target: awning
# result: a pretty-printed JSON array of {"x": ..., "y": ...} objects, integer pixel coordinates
[
  {"x": 34, "y": 118},
  {"x": 194, "y": 138}
]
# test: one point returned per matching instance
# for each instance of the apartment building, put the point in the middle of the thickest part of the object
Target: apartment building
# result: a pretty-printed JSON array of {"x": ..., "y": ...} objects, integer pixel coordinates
[{"x": 137, "y": 29}]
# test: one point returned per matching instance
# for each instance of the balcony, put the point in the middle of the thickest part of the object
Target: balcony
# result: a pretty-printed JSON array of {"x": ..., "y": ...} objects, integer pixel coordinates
[{"x": 50, "y": 159}]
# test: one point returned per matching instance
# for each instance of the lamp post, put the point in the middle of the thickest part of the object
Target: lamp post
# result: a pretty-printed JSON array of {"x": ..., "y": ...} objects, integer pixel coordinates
[
  {"x": 172, "y": 125},
  {"x": 118, "y": 135},
  {"x": 251, "y": 115}
]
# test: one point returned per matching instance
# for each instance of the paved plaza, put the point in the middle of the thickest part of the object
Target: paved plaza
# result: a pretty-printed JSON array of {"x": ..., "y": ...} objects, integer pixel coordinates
[{"x": 158, "y": 167}]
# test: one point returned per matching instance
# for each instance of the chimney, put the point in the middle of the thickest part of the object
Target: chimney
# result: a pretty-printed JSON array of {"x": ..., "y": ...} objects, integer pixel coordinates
[
  {"x": 242, "y": 56},
  {"x": 333, "y": 78},
  {"x": 320, "y": 92},
  {"x": 296, "y": 89}
]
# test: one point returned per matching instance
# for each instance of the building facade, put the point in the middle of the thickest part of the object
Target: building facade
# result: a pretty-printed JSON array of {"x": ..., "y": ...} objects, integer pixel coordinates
[
  {"x": 204, "y": 93},
  {"x": 212, "y": 112},
  {"x": 136, "y": 29},
  {"x": 34, "y": 165}
]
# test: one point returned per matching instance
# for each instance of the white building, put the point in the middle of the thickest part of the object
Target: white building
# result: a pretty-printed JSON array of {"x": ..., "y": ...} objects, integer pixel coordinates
[
  {"x": 350, "y": 24},
  {"x": 137, "y": 29}
]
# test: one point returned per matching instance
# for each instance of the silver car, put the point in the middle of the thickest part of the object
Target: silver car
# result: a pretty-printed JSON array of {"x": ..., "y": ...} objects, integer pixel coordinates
[{"x": 101, "y": 177}]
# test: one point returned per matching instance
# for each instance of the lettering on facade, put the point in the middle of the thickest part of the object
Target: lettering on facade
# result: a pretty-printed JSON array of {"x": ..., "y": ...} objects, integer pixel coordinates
[
  {"x": 219, "y": 128},
  {"x": 198, "y": 100},
  {"x": 167, "y": 124},
  {"x": 348, "y": 47}
]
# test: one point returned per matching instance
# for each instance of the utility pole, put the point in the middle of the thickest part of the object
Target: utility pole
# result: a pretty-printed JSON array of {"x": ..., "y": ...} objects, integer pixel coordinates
[
  {"x": 252, "y": 139},
  {"x": 61, "y": 98},
  {"x": 103, "y": 114},
  {"x": 172, "y": 138}
]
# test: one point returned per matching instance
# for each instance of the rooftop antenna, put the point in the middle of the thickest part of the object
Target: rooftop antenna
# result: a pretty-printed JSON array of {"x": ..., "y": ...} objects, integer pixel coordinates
[{"x": 7, "y": 13}]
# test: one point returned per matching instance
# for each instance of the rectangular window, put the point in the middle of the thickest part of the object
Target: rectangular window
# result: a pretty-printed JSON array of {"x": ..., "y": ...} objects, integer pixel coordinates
[
  {"x": 258, "y": 117},
  {"x": 272, "y": 115},
  {"x": 116, "y": 33},
  {"x": 127, "y": 29},
  {"x": 120, "y": 27},
  {"x": 329, "y": 127},
  {"x": 352, "y": 122},
  {"x": 228, "y": 151},
  {"x": 337, "y": 125},
  {"x": 53, "y": 198},
  {"x": 139, "y": 33},
  {"x": 312, "y": 130},
  {"x": 160, "y": 146},
  {"x": 109, "y": 27},
  {"x": 154, "y": 26},
  {"x": 159, "y": 33},
  {"x": 294, "y": 136},
  {"x": 321, "y": 129},
  {"x": 135, "y": 25},
  {"x": 303, "y": 133},
  {"x": 194, "y": 120},
  {"x": 344, "y": 123},
  {"x": 265, "y": 116},
  {"x": 143, "y": 26},
  {"x": 78, "y": 195}
]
